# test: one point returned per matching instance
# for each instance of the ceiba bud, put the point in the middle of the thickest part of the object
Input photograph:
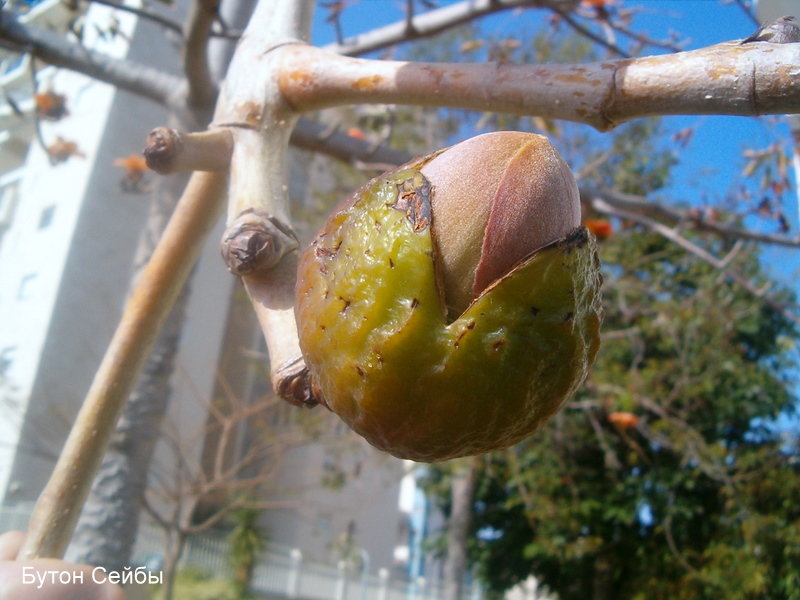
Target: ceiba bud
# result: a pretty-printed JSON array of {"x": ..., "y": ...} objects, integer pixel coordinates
[
  {"x": 453, "y": 305},
  {"x": 497, "y": 198}
]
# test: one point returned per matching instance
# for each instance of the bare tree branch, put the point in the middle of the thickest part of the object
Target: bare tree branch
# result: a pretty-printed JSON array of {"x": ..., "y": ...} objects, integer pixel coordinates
[
  {"x": 436, "y": 21},
  {"x": 55, "y": 50},
  {"x": 672, "y": 216},
  {"x": 727, "y": 78},
  {"x": 160, "y": 86},
  {"x": 169, "y": 151},
  {"x": 315, "y": 137},
  {"x": 202, "y": 88},
  {"x": 57, "y": 510},
  {"x": 590, "y": 35},
  {"x": 144, "y": 13},
  {"x": 672, "y": 235}
]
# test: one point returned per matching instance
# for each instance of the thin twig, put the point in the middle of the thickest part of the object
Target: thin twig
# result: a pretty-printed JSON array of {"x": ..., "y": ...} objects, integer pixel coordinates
[
  {"x": 144, "y": 13},
  {"x": 590, "y": 35},
  {"x": 702, "y": 254},
  {"x": 675, "y": 217},
  {"x": 436, "y": 21},
  {"x": 170, "y": 151}
]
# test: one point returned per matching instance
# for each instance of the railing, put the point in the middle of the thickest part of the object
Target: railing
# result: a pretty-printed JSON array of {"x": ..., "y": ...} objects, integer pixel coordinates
[{"x": 281, "y": 572}]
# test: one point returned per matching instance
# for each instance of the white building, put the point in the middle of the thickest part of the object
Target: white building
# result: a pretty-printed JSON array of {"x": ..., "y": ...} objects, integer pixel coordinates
[{"x": 68, "y": 234}]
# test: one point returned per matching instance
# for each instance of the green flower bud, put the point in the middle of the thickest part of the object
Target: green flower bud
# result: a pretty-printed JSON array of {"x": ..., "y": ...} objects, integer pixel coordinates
[{"x": 453, "y": 304}]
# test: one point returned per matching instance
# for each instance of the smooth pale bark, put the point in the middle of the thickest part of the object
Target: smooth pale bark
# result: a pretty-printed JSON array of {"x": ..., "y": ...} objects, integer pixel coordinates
[
  {"x": 728, "y": 78},
  {"x": 107, "y": 529}
]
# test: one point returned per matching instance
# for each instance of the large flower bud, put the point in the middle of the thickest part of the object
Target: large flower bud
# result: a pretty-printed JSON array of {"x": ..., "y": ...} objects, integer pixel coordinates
[
  {"x": 453, "y": 304},
  {"x": 497, "y": 198}
]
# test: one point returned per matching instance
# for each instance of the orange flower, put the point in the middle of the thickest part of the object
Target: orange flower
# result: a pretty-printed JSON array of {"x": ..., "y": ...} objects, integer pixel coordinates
[
  {"x": 356, "y": 133},
  {"x": 601, "y": 228},
  {"x": 625, "y": 420},
  {"x": 132, "y": 162},
  {"x": 598, "y": 3}
]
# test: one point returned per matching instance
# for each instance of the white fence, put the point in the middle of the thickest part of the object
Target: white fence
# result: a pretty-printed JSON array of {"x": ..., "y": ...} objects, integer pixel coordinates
[{"x": 281, "y": 572}]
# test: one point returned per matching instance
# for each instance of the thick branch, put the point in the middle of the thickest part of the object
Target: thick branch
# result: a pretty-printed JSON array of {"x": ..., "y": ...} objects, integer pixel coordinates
[
  {"x": 55, "y": 50},
  {"x": 727, "y": 78},
  {"x": 58, "y": 506},
  {"x": 261, "y": 122},
  {"x": 437, "y": 21}
]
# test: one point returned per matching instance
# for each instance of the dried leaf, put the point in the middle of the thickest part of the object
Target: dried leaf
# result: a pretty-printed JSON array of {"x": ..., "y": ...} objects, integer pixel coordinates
[{"x": 61, "y": 150}]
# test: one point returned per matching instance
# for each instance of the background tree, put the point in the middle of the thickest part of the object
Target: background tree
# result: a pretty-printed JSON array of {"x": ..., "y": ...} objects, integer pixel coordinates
[
  {"x": 246, "y": 541},
  {"x": 666, "y": 477},
  {"x": 227, "y": 471}
]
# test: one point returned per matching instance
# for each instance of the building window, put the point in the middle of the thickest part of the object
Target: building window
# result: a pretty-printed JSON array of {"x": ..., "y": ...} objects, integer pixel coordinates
[
  {"x": 46, "y": 216},
  {"x": 26, "y": 286}
]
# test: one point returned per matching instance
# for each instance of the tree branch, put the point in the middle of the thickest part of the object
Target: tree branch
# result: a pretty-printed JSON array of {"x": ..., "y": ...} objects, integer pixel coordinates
[
  {"x": 436, "y": 21},
  {"x": 202, "y": 88},
  {"x": 642, "y": 206},
  {"x": 169, "y": 151},
  {"x": 59, "y": 505},
  {"x": 144, "y": 13},
  {"x": 702, "y": 254},
  {"x": 261, "y": 121},
  {"x": 316, "y": 137},
  {"x": 592, "y": 36},
  {"x": 51, "y": 48},
  {"x": 728, "y": 78}
]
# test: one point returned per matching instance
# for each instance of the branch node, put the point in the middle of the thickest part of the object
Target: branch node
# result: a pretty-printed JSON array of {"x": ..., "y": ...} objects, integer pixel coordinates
[
  {"x": 170, "y": 151},
  {"x": 256, "y": 241},
  {"x": 163, "y": 147},
  {"x": 294, "y": 384}
]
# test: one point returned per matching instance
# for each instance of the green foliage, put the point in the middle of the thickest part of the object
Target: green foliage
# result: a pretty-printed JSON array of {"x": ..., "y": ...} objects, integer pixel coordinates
[
  {"x": 246, "y": 541},
  {"x": 698, "y": 500}
]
